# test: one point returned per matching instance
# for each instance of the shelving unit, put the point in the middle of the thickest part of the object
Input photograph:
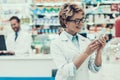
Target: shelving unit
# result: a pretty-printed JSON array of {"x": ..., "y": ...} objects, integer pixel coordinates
[
  {"x": 42, "y": 16},
  {"x": 10, "y": 8},
  {"x": 102, "y": 15},
  {"x": 45, "y": 24},
  {"x": 45, "y": 17}
]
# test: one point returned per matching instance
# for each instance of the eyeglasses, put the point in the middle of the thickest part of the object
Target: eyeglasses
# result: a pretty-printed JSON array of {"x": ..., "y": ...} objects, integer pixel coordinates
[{"x": 77, "y": 21}]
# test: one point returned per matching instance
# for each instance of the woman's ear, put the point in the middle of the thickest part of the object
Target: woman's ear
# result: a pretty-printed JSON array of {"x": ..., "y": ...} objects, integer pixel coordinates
[{"x": 65, "y": 23}]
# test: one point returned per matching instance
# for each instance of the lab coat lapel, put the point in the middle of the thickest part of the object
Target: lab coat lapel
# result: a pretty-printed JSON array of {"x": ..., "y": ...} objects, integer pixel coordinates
[
  {"x": 83, "y": 42},
  {"x": 67, "y": 42},
  {"x": 20, "y": 36}
]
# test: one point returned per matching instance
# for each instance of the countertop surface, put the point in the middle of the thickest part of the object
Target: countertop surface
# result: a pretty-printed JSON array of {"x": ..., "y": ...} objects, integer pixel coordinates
[{"x": 26, "y": 56}]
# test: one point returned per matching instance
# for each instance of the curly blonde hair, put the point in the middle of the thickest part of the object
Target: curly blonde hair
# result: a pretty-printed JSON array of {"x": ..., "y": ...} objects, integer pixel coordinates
[{"x": 67, "y": 11}]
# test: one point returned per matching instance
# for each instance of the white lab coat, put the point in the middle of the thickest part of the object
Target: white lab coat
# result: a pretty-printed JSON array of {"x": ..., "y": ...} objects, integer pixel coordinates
[
  {"x": 64, "y": 52},
  {"x": 22, "y": 45}
]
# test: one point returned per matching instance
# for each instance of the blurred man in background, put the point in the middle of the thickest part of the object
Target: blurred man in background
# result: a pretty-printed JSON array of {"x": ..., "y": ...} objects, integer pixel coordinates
[{"x": 18, "y": 41}]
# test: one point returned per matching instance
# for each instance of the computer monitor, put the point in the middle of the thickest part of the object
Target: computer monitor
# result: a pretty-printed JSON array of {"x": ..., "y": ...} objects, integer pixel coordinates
[{"x": 2, "y": 43}]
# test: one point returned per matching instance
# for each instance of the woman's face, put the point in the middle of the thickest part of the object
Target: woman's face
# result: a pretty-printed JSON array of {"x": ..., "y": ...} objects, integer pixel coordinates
[{"x": 75, "y": 24}]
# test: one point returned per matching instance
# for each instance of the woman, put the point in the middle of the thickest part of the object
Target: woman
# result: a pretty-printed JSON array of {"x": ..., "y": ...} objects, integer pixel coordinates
[{"x": 71, "y": 52}]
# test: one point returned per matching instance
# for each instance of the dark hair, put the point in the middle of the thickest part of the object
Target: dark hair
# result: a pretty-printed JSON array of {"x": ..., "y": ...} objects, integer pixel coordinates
[{"x": 15, "y": 17}]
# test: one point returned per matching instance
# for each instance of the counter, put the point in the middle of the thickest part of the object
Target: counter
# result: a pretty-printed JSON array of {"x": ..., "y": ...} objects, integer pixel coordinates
[
  {"x": 26, "y": 66},
  {"x": 41, "y": 65},
  {"x": 27, "y": 57}
]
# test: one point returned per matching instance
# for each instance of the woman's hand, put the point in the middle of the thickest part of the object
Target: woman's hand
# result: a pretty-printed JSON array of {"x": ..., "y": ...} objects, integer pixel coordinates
[
  {"x": 96, "y": 45},
  {"x": 92, "y": 47},
  {"x": 102, "y": 42}
]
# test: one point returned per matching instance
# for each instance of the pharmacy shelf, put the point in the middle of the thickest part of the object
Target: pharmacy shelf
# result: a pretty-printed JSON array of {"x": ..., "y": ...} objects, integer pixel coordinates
[
  {"x": 52, "y": 3},
  {"x": 45, "y": 14},
  {"x": 111, "y": 2},
  {"x": 104, "y": 2},
  {"x": 102, "y": 13},
  {"x": 91, "y": 23},
  {"x": 48, "y": 4}
]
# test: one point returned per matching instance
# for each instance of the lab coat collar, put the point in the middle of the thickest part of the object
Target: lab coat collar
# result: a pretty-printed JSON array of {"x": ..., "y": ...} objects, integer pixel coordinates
[
  {"x": 65, "y": 38},
  {"x": 68, "y": 42},
  {"x": 81, "y": 38}
]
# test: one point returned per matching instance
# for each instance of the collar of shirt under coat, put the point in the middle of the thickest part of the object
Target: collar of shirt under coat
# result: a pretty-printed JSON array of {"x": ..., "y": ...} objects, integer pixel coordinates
[{"x": 66, "y": 36}]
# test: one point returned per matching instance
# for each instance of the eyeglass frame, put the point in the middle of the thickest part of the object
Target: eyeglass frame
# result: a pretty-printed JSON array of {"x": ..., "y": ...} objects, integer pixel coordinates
[{"x": 77, "y": 21}]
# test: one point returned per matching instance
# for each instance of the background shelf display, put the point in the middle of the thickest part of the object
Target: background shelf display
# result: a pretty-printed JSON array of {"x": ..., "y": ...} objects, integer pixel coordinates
[
  {"x": 10, "y": 8},
  {"x": 45, "y": 16},
  {"x": 40, "y": 17},
  {"x": 101, "y": 15},
  {"x": 45, "y": 21}
]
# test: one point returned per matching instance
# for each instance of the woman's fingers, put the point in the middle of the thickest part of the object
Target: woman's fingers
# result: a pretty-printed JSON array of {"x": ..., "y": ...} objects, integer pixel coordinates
[
  {"x": 102, "y": 41},
  {"x": 94, "y": 45}
]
